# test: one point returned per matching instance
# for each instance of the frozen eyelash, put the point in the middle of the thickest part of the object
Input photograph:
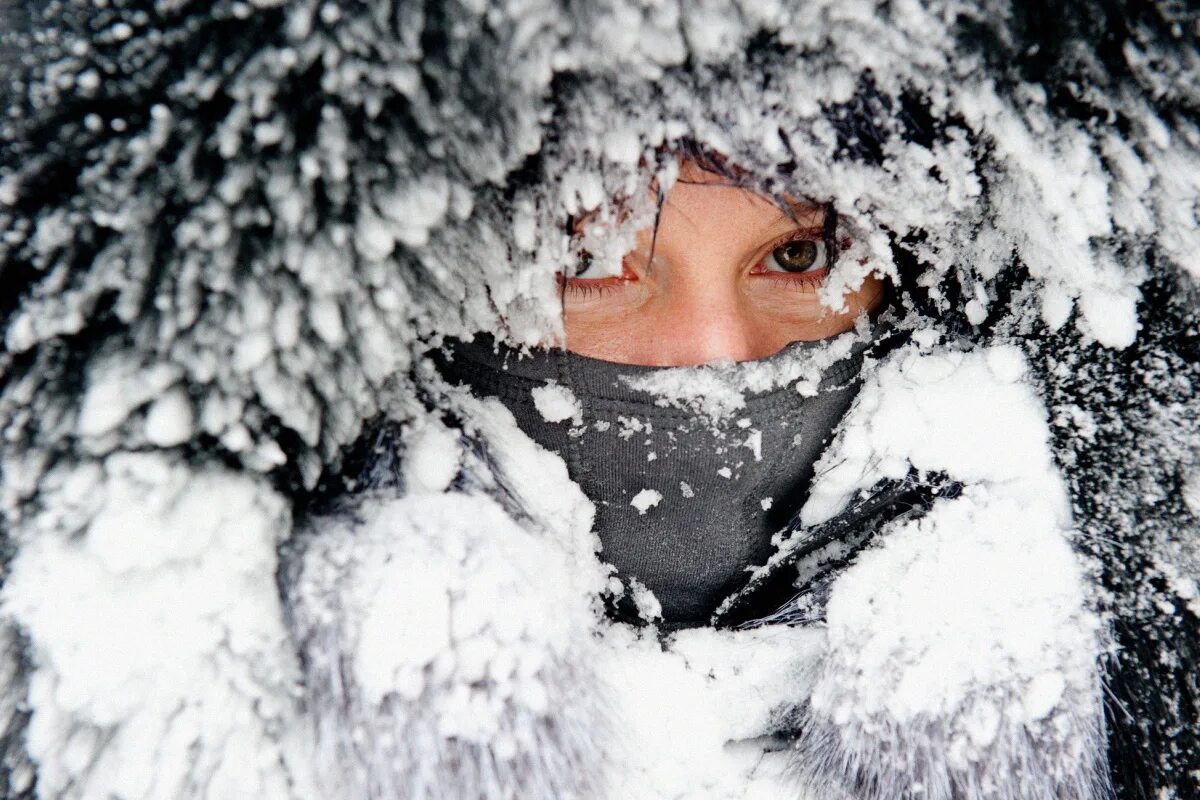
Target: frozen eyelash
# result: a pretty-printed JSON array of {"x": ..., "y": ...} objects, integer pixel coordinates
[{"x": 586, "y": 288}]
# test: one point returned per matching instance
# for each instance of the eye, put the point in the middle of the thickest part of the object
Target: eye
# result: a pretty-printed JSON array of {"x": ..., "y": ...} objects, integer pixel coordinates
[{"x": 798, "y": 255}]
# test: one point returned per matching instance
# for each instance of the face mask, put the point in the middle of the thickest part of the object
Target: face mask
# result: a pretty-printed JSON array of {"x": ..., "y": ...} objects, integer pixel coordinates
[{"x": 691, "y": 469}]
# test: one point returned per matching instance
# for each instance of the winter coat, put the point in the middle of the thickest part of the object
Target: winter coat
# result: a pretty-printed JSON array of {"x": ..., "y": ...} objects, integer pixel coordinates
[
  {"x": 254, "y": 545},
  {"x": 409, "y": 568}
]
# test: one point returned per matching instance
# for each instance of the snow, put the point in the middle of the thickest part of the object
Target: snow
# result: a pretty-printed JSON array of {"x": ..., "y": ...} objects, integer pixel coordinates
[
  {"x": 623, "y": 146},
  {"x": 170, "y": 420},
  {"x": 648, "y": 606},
  {"x": 982, "y": 589},
  {"x": 718, "y": 390},
  {"x": 967, "y": 413},
  {"x": 645, "y": 500},
  {"x": 484, "y": 677},
  {"x": 972, "y": 623},
  {"x": 556, "y": 403},
  {"x": 691, "y": 711},
  {"x": 417, "y": 208},
  {"x": 1191, "y": 491},
  {"x": 118, "y": 386},
  {"x": 432, "y": 460},
  {"x": 1111, "y": 316},
  {"x": 151, "y": 624}
]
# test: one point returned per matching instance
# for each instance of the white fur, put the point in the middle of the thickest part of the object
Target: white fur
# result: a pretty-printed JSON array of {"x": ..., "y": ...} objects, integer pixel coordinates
[
  {"x": 962, "y": 665},
  {"x": 446, "y": 655},
  {"x": 964, "y": 651}
]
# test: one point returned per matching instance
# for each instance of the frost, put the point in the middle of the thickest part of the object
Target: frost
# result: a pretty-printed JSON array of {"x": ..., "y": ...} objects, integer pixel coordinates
[
  {"x": 1008, "y": 566},
  {"x": 966, "y": 413},
  {"x": 648, "y": 606},
  {"x": 118, "y": 386},
  {"x": 478, "y": 682},
  {"x": 1191, "y": 492},
  {"x": 1044, "y": 694},
  {"x": 170, "y": 420},
  {"x": 416, "y": 208},
  {"x": 719, "y": 390},
  {"x": 623, "y": 146},
  {"x": 432, "y": 460},
  {"x": 172, "y": 563},
  {"x": 375, "y": 238},
  {"x": 689, "y": 710}
]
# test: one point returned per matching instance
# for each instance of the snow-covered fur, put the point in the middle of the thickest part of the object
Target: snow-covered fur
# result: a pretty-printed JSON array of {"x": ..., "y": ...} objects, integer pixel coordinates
[
  {"x": 254, "y": 547},
  {"x": 960, "y": 657},
  {"x": 432, "y": 668}
]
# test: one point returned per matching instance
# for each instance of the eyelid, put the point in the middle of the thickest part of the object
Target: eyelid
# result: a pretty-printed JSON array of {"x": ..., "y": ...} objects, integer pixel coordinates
[
  {"x": 815, "y": 233},
  {"x": 586, "y": 288}
]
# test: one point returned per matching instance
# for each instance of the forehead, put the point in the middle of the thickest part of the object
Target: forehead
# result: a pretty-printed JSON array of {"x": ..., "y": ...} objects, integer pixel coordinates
[{"x": 705, "y": 203}]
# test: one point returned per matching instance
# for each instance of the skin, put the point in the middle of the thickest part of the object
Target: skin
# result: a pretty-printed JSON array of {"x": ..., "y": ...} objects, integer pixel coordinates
[{"x": 715, "y": 289}]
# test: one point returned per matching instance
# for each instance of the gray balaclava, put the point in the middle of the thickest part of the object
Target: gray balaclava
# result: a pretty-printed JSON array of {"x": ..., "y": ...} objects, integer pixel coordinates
[{"x": 692, "y": 470}]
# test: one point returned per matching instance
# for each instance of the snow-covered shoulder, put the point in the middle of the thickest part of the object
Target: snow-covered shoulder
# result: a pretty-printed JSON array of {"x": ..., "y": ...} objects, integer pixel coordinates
[
  {"x": 969, "y": 414},
  {"x": 448, "y": 634}
]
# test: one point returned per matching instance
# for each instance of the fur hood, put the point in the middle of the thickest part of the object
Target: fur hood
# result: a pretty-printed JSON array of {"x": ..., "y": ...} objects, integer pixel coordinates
[{"x": 229, "y": 232}]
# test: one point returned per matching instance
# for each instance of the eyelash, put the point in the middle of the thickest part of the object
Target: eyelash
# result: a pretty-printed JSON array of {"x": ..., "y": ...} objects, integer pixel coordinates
[{"x": 591, "y": 287}]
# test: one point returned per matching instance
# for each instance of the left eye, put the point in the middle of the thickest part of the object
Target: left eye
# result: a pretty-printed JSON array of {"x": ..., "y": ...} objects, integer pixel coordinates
[{"x": 799, "y": 255}]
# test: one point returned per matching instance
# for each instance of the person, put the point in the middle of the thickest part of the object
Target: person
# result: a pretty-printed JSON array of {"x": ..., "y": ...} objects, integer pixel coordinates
[
  {"x": 565, "y": 400},
  {"x": 726, "y": 274},
  {"x": 699, "y": 383}
]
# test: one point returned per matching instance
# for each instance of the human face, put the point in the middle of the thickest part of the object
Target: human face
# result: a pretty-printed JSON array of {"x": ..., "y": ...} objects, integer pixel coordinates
[{"x": 733, "y": 277}]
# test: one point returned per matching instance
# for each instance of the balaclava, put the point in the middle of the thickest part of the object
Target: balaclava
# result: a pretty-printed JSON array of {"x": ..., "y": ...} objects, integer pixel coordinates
[{"x": 693, "y": 469}]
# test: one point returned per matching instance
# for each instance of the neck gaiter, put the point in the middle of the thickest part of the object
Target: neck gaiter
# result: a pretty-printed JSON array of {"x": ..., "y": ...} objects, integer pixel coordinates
[{"x": 691, "y": 469}]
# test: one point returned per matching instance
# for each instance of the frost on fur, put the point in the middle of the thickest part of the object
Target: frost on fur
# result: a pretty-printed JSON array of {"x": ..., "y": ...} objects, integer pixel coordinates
[
  {"x": 964, "y": 654},
  {"x": 432, "y": 666},
  {"x": 229, "y": 229},
  {"x": 961, "y": 664},
  {"x": 146, "y": 597}
]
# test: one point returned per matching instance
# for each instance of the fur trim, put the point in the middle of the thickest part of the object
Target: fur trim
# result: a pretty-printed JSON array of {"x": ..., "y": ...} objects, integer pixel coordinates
[
  {"x": 432, "y": 668},
  {"x": 955, "y": 671},
  {"x": 227, "y": 226},
  {"x": 151, "y": 655}
]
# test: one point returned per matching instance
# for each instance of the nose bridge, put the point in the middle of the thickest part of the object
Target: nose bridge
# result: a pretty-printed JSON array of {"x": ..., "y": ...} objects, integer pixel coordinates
[
  {"x": 701, "y": 317},
  {"x": 700, "y": 314}
]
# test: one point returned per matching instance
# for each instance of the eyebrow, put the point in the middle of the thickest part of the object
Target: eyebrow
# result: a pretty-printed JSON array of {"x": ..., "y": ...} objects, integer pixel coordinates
[{"x": 795, "y": 211}]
